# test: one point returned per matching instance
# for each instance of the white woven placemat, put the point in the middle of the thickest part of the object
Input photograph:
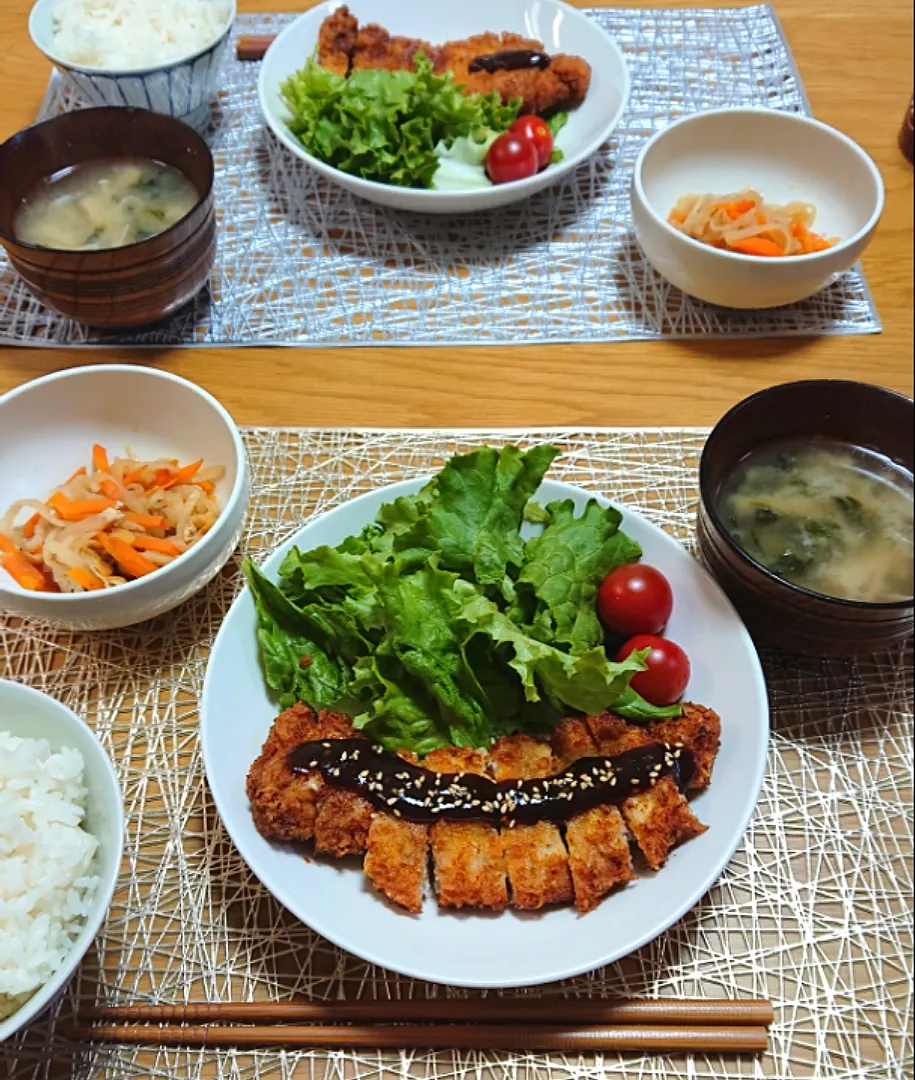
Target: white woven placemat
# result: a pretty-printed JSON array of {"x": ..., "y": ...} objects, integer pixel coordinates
[
  {"x": 814, "y": 911},
  {"x": 303, "y": 262}
]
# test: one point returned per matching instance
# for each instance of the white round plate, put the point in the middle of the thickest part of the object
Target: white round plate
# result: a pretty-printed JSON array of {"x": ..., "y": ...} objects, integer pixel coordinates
[
  {"x": 561, "y": 28},
  {"x": 511, "y": 949}
]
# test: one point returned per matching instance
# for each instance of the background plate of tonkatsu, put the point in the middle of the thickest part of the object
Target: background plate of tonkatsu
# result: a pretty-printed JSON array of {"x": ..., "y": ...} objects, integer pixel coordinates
[
  {"x": 512, "y": 948},
  {"x": 561, "y": 29}
]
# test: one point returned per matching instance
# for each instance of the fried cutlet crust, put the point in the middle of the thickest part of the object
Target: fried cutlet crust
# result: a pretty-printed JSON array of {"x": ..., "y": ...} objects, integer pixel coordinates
[
  {"x": 337, "y": 40},
  {"x": 344, "y": 46},
  {"x": 599, "y": 855},
  {"x": 342, "y": 822},
  {"x": 659, "y": 820},
  {"x": 284, "y": 804},
  {"x": 467, "y": 855},
  {"x": 395, "y": 860},
  {"x": 598, "y": 843},
  {"x": 535, "y": 855},
  {"x": 699, "y": 729},
  {"x": 474, "y": 862}
]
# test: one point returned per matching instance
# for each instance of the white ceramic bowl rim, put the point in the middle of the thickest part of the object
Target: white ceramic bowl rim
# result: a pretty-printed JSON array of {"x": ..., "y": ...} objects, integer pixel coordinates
[
  {"x": 234, "y": 495},
  {"x": 115, "y": 73},
  {"x": 730, "y": 256},
  {"x": 569, "y": 163},
  {"x": 101, "y": 901}
]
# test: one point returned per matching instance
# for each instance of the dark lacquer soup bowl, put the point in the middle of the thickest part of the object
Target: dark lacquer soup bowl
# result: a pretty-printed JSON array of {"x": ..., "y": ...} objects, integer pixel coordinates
[
  {"x": 776, "y": 611},
  {"x": 120, "y": 287}
]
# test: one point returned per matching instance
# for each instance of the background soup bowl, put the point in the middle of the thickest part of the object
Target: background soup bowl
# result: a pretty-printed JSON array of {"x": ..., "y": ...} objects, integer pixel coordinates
[
  {"x": 777, "y": 612},
  {"x": 27, "y": 713},
  {"x": 120, "y": 287},
  {"x": 182, "y": 88},
  {"x": 49, "y": 427},
  {"x": 783, "y": 156}
]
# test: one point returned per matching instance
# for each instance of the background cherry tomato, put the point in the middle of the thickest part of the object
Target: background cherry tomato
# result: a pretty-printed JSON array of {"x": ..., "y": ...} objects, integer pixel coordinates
[
  {"x": 511, "y": 158},
  {"x": 635, "y": 599},
  {"x": 536, "y": 131},
  {"x": 667, "y": 676}
]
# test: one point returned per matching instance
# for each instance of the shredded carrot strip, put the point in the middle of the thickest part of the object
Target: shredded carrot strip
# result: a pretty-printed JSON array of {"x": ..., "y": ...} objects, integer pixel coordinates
[
  {"x": 111, "y": 490},
  {"x": 154, "y": 543},
  {"x": 23, "y": 572},
  {"x": 149, "y": 521},
  {"x": 77, "y": 509},
  {"x": 207, "y": 486},
  {"x": 100, "y": 458},
  {"x": 130, "y": 561},
  {"x": 84, "y": 578},
  {"x": 7, "y": 545},
  {"x": 185, "y": 475},
  {"x": 134, "y": 476},
  {"x": 757, "y": 245},
  {"x": 738, "y": 209},
  {"x": 28, "y": 529}
]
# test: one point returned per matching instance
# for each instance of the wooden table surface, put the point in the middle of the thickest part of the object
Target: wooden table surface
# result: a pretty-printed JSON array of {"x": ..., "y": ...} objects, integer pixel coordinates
[{"x": 856, "y": 63}]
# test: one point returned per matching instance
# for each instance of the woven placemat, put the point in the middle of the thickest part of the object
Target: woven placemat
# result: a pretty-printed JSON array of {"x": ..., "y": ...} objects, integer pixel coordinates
[
  {"x": 302, "y": 262},
  {"x": 813, "y": 912}
]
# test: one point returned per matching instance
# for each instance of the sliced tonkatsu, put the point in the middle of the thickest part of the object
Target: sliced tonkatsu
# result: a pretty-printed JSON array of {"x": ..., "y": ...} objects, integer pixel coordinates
[{"x": 528, "y": 823}]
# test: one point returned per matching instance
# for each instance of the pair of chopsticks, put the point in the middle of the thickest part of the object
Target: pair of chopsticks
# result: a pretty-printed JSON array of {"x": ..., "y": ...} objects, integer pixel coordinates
[
  {"x": 253, "y": 46},
  {"x": 667, "y": 1025}
]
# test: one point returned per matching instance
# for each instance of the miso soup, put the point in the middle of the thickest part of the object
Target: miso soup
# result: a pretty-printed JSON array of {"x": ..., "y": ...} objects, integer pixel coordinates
[
  {"x": 831, "y": 517},
  {"x": 105, "y": 204}
]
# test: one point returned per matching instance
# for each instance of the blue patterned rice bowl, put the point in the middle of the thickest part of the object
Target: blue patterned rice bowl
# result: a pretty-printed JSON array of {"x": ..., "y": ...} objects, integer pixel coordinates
[{"x": 183, "y": 88}]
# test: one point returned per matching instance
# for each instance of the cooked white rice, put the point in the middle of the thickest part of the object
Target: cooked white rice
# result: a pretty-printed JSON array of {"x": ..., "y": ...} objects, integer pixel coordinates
[
  {"x": 46, "y": 863},
  {"x": 118, "y": 35}
]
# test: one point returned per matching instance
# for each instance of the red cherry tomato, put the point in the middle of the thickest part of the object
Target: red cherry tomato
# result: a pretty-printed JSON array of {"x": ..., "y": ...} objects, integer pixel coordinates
[
  {"x": 511, "y": 158},
  {"x": 536, "y": 131},
  {"x": 635, "y": 599},
  {"x": 667, "y": 676}
]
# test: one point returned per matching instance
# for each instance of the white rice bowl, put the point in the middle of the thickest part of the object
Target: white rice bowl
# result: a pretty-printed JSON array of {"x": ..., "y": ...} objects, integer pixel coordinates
[{"x": 48, "y": 878}]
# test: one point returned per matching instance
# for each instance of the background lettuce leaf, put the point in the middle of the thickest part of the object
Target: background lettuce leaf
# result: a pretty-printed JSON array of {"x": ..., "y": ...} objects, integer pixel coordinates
[{"x": 385, "y": 125}]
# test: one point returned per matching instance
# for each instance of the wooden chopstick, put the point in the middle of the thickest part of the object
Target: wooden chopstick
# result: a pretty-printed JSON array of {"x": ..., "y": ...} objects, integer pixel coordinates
[
  {"x": 645, "y": 1038},
  {"x": 664, "y": 1011},
  {"x": 253, "y": 46}
]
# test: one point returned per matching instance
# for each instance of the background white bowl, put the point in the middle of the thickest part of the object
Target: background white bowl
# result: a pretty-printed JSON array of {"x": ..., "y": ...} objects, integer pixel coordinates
[
  {"x": 49, "y": 427},
  {"x": 561, "y": 28},
  {"x": 182, "y": 89},
  {"x": 783, "y": 156},
  {"x": 30, "y": 714}
]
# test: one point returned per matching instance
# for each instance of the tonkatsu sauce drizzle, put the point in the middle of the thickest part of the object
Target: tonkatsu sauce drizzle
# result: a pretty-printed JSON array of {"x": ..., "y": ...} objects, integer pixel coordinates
[
  {"x": 416, "y": 794},
  {"x": 510, "y": 60}
]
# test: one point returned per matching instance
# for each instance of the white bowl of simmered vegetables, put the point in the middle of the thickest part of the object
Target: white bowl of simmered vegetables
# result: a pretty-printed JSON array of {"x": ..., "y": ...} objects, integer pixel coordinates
[
  {"x": 753, "y": 208},
  {"x": 806, "y": 515},
  {"x": 123, "y": 492}
]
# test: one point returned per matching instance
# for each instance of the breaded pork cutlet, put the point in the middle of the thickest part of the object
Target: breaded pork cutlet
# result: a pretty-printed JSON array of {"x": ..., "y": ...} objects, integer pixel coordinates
[
  {"x": 563, "y": 84},
  {"x": 599, "y": 855},
  {"x": 699, "y": 729},
  {"x": 396, "y": 859},
  {"x": 467, "y": 855},
  {"x": 344, "y": 47},
  {"x": 337, "y": 40},
  {"x": 658, "y": 819},
  {"x": 284, "y": 804},
  {"x": 535, "y": 855}
]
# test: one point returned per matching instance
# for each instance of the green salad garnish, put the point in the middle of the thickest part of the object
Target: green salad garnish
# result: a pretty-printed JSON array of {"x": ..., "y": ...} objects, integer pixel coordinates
[
  {"x": 385, "y": 125},
  {"x": 440, "y": 624}
]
